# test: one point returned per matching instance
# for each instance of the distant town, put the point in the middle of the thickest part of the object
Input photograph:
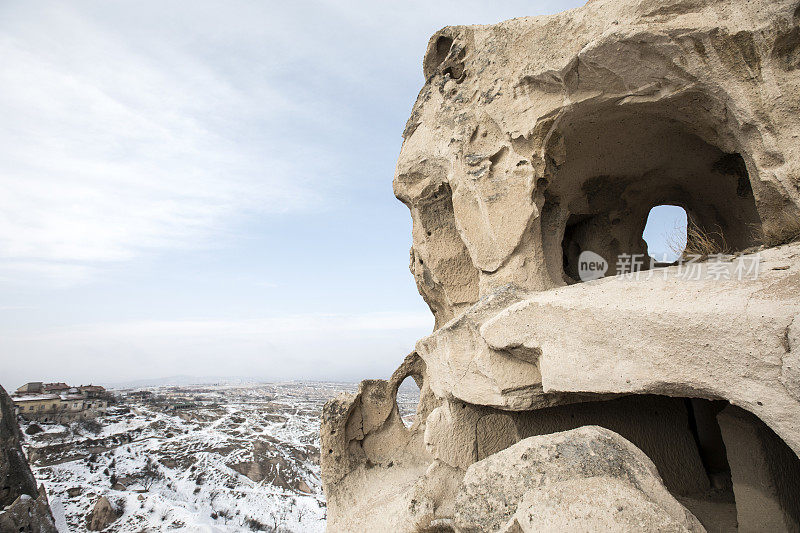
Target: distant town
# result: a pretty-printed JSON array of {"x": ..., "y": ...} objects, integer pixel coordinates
[{"x": 59, "y": 402}]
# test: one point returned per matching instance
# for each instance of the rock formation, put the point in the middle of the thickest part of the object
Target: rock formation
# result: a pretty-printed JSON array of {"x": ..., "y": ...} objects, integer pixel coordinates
[
  {"x": 531, "y": 142},
  {"x": 575, "y": 470},
  {"x": 103, "y": 515},
  {"x": 23, "y": 506}
]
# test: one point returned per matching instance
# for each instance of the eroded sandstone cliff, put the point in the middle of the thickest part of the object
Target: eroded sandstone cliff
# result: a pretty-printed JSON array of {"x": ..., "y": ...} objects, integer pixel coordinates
[{"x": 535, "y": 140}]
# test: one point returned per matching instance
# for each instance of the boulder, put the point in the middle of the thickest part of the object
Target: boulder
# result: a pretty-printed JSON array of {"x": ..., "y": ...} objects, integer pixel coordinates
[
  {"x": 574, "y": 505},
  {"x": 588, "y": 479},
  {"x": 31, "y": 515},
  {"x": 103, "y": 515}
]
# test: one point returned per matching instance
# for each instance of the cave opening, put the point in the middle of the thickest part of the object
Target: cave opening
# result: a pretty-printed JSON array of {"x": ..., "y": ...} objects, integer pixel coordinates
[
  {"x": 610, "y": 167},
  {"x": 721, "y": 462},
  {"x": 407, "y": 399},
  {"x": 665, "y": 234}
]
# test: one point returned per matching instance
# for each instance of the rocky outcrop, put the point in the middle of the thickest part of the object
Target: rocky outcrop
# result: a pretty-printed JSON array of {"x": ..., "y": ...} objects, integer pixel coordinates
[
  {"x": 616, "y": 335},
  {"x": 17, "y": 478},
  {"x": 23, "y": 506},
  {"x": 29, "y": 514},
  {"x": 266, "y": 463},
  {"x": 103, "y": 515},
  {"x": 366, "y": 449},
  {"x": 533, "y": 142},
  {"x": 537, "y": 138}
]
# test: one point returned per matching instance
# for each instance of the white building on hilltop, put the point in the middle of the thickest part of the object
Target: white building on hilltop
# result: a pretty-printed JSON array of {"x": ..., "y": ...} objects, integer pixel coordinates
[{"x": 58, "y": 402}]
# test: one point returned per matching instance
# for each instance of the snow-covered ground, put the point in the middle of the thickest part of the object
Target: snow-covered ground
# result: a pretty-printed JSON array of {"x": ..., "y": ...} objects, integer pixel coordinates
[{"x": 229, "y": 458}]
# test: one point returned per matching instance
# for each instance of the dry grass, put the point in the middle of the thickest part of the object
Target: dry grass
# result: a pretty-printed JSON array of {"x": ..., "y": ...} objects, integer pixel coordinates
[
  {"x": 699, "y": 242},
  {"x": 783, "y": 230}
]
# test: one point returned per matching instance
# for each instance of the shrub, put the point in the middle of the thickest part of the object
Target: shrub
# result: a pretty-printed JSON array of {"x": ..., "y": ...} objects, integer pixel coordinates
[
  {"x": 150, "y": 474},
  {"x": 256, "y": 525},
  {"x": 90, "y": 425},
  {"x": 699, "y": 242},
  {"x": 33, "y": 429}
]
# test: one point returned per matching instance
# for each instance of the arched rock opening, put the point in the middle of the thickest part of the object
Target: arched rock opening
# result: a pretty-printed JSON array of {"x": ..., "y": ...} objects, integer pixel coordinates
[
  {"x": 609, "y": 166},
  {"x": 408, "y": 399},
  {"x": 721, "y": 462},
  {"x": 665, "y": 233}
]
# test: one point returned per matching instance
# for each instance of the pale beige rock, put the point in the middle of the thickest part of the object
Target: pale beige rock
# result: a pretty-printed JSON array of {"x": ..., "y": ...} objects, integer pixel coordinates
[
  {"x": 538, "y": 137},
  {"x": 616, "y": 335},
  {"x": 530, "y": 481},
  {"x": 764, "y": 474},
  {"x": 535, "y": 140},
  {"x": 103, "y": 515},
  {"x": 371, "y": 461},
  {"x": 575, "y": 505}
]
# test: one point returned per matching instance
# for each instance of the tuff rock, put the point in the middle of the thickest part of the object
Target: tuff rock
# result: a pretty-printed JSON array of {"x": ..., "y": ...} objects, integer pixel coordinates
[
  {"x": 103, "y": 515},
  {"x": 536, "y": 140},
  {"x": 539, "y": 483},
  {"x": 23, "y": 506}
]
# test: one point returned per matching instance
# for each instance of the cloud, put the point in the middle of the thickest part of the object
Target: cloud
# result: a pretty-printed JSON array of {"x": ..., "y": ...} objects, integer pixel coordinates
[
  {"x": 131, "y": 128},
  {"x": 109, "y": 150}
]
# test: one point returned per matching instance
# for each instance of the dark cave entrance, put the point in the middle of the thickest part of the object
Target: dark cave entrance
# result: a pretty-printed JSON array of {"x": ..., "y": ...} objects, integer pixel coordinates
[
  {"x": 721, "y": 462},
  {"x": 609, "y": 167}
]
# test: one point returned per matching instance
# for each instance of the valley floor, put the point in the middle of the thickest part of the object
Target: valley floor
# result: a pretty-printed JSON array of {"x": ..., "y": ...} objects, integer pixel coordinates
[{"x": 202, "y": 458}]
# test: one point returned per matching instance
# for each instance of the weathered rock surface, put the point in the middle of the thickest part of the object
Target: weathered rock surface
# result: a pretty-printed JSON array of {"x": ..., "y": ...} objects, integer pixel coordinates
[
  {"x": 594, "y": 504},
  {"x": 550, "y": 482},
  {"x": 31, "y": 515},
  {"x": 531, "y": 142},
  {"x": 663, "y": 335},
  {"x": 371, "y": 460},
  {"x": 764, "y": 476},
  {"x": 103, "y": 515},
  {"x": 537, "y": 138},
  {"x": 17, "y": 478},
  {"x": 267, "y": 464},
  {"x": 23, "y": 506}
]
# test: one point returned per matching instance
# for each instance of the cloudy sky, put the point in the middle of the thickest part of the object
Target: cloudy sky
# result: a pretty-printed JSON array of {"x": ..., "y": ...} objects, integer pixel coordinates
[{"x": 204, "y": 188}]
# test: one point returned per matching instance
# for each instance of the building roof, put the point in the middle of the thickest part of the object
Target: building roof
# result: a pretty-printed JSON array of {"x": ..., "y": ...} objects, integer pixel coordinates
[
  {"x": 30, "y": 387},
  {"x": 92, "y": 388},
  {"x": 35, "y": 397},
  {"x": 70, "y": 397},
  {"x": 55, "y": 386}
]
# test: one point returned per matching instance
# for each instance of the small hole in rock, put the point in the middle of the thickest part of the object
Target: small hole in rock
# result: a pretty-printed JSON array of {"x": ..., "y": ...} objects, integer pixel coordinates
[
  {"x": 443, "y": 45},
  {"x": 665, "y": 233},
  {"x": 407, "y": 400},
  {"x": 437, "y": 55}
]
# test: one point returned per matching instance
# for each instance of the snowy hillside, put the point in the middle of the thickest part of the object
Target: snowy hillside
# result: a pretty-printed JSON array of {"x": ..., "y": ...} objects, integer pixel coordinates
[{"x": 195, "y": 458}]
